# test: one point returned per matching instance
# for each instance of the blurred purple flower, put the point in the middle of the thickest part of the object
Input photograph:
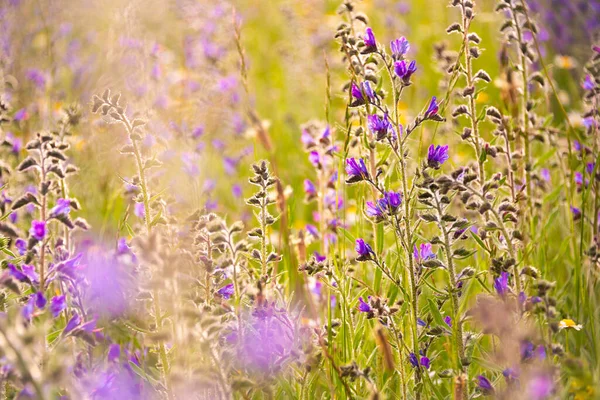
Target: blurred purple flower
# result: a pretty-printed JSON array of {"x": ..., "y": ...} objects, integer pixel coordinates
[
  {"x": 501, "y": 284},
  {"x": 226, "y": 291},
  {"x": 62, "y": 207},
  {"x": 38, "y": 229},
  {"x": 57, "y": 305}
]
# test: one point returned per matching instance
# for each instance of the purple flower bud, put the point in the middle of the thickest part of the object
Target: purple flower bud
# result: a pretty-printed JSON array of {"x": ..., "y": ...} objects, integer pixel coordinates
[
  {"x": 29, "y": 271},
  {"x": 588, "y": 83},
  {"x": 433, "y": 108},
  {"x": 420, "y": 322},
  {"x": 414, "y": 361},
  {"x": 501, "y": 284},
  {"x": 356, "y": 170},
  {"x": 319, "y": 257},
  {"x": 21, "y": 246},
  {"x": 545, "y": 174},
  {"x": 363, "y": 306},
  {"x": 114, "y": 352},
  {"x": 139, "y": 210},
  {"x": 380, "y": 127},
  {"x": 425, "y": 362},
  {"x": 369, "y": 39},
  {"x": 576, "y": 213},
  {"x": 368, "y": 91},
  {"x": 357, "y": 93},
  {"x": 399, "y": 47},
  {"x": 394, "y": 200},
  {"x": 376, "y": 209},
  {"x": 16, "y": 273},
  {"x": 21, "y": 115},
  {"x": 448, "y": 321},
  {"x": 404, "y": 70},
  {"x": 312, "y": 230},
  {"x": 424, "y": 252},
  {"x": 40, "y": 300},
  {"x": 226, "y": 291},
  {"x": 63, "y": 206},
  {"x": 364, "y": 250},
  {"x": 28, "y": 308},
  {"x": 73, "y": 323},
  {"x": 38, "y": 229},
  {"x": 57, "y": 305},
  {"x": 437, "y": 155},
  {"x": 484, "y": 384},
  {"x": 309, "y": 188},
  {"x": 510, "y": 374},
  {"x": 314, "y": 158}
]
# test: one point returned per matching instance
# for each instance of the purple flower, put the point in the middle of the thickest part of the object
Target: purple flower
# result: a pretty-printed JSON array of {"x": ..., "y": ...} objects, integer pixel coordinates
[
  {"x": 139, "y": 210},
  {"x": 16, "y": 273},
  {"x": 588, "y": 83},
  {"x": 314, "y": 158},
  {"x": 394, "y": 200},
  {"x": 63, "y": 206},
  {"x": 226, "y": 291},
  {"x": 312, "y": 230},
  {"x": 589, "y": 167},
  {"x": 437, "y": 155},
  {"x": 368, "y": 91},
  {"x": 425, "y": 362},
  {"x": 356, "y": 170},
  {"x": 376, "y": 209},
  {"x": 40, "y": 300},
  {"x": 545, "y": 174},
  {"x": 369, "y": 39},
  {"x": 414, "y": 361},
  {"x": 57, "y": 305},
  {"x": 309, "y": 188},
  {"x": 379, "y": 126},
  {"x": 501, "y": 284},
  {"x": 448, "y": 321},
  {"x": 510, "y": 374},
  {"x": 363, "y": 306},
  {"x": 73, "y": 323},
  {"x": 424, "y": 253},
  {"x": 364, "y": 250},
  {"x": 405, "y": 70},
  {"x": 319, "y": 257},
  {"x": 21, "y": 246},
  {"x": 236, "y": 190},
  {"x": 38, "y": 229},
  {"x": 21, "y": 115},
  {"x": 420, "y": 322},
  {"x": 433, "y": 108},
  {"x": 399, "y": 47},
  {"x": 540, "y": 387},
  {"x": 37, "y": 77},
  {"x": 28, "y": 308},
  {"x": 114, "y": 352},
  {"x": 29, "y": 271},
  {"x": 484, "y": 384},
  {"x": 357, "y": 94}
]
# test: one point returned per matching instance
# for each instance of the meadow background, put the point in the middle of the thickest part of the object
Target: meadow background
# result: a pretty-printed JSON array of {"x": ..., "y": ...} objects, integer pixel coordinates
[{"x": 221, "y": 85}]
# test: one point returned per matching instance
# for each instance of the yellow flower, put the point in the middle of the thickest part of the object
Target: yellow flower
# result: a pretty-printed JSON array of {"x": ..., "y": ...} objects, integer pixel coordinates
[
  {"x": 569, "y": 323},
  {"x": 565, "y": 62}
]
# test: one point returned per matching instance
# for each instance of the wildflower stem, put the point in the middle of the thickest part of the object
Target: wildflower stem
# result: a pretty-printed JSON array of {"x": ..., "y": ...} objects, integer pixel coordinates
[
  {"x": 164, "y": 360},
  {"x": 457, "y": 322},
  {"x": 472, "y": 105}
]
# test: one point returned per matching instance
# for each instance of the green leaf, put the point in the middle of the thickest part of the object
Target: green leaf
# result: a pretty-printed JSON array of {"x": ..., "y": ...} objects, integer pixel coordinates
[{"x": 435, "y": 313}]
